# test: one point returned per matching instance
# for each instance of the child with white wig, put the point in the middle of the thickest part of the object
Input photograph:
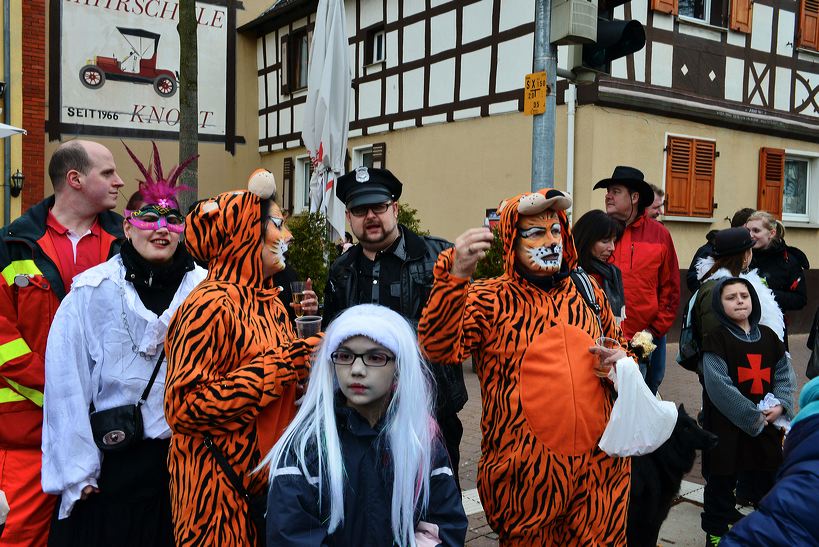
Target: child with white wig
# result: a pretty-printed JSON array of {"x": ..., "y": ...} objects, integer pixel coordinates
[{"x": 362, "y": 463}]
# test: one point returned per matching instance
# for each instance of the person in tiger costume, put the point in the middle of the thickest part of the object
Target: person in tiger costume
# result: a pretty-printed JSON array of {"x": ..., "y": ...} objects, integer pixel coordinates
[
  {"x": 542, "y": 479},
  {"x": 234, "y": 367}
]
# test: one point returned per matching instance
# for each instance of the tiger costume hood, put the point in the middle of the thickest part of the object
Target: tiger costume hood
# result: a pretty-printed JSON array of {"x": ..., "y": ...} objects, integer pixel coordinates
[
  {"x": 530, "y": 203},
  {"x": 225, "y": 232}
]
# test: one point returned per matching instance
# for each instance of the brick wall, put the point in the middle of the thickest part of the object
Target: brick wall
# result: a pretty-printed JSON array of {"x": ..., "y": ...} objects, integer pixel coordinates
[{"x": 34, "y": 100}]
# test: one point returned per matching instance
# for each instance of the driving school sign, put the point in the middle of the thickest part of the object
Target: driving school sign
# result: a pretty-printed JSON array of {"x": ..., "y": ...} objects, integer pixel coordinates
[{"x": 119, "y": 68}]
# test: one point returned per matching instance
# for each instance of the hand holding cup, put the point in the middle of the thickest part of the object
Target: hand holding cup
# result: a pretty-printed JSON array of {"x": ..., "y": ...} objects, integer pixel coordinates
[{"x": 608, "y": 351}]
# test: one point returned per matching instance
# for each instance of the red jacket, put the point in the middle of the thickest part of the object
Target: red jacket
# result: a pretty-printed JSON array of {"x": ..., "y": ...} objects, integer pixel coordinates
[
  {"x": 651, "y": 277},
  {"x": 30, "y": 292}
]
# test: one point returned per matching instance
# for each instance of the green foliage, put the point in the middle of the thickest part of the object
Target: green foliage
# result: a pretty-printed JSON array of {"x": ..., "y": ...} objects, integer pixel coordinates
[
  {"x": 492, "y": 264},
  {"x": 311, "y": 251},
  {"x": 409, "y": 218}
]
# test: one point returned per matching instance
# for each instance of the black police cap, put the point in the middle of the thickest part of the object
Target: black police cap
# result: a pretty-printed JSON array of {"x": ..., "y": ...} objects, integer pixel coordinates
[{"x": 367, "y": 186}]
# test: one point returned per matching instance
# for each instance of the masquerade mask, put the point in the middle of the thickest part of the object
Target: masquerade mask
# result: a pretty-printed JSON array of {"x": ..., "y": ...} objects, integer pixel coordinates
[{"x": 154, "y": 217}]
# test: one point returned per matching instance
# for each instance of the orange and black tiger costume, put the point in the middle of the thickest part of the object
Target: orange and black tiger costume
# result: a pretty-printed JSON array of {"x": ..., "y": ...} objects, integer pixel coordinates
[
  {"x": 541, "y": 477},
  {"x": 233, "y": 367}
]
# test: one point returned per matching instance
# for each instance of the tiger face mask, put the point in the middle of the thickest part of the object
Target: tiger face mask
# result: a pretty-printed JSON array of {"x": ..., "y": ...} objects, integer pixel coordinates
[{"x": 539, "y": 243}]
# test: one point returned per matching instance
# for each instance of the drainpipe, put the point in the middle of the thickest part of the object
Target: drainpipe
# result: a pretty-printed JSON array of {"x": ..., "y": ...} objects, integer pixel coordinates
[
  {"x": 571, "y": 104},
  {"x": 6, "y": 113}
]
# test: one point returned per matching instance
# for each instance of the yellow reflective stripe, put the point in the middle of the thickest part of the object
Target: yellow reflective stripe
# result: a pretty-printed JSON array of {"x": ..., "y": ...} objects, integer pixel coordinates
[
  {"x": 32, "y": 395},
  {"x": 8, "y": 395},
  {"x": 17, "y": 267},
  {"x": 13, "y": 350}
]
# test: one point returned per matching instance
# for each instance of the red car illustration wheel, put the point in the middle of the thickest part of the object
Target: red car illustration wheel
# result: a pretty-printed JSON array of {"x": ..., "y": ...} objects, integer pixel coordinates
[
  {"x": 92, "y": 77},
  {"x": 165, "y": 86}
]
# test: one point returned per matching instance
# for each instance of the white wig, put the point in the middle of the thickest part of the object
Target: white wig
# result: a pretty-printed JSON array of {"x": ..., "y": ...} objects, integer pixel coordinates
[{"x": 409, "y": 429}]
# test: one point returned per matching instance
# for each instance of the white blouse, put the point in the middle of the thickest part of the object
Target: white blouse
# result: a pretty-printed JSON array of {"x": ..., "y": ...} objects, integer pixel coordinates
[{"x": 102, "y": 347}]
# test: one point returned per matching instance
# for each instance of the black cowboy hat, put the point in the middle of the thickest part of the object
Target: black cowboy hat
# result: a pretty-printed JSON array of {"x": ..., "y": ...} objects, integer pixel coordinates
[{"x": 634, "y": 180}]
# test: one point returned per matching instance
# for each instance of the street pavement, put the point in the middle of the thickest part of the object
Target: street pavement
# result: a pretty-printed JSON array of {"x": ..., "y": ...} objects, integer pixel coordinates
[{"x": 682, "y": 528}]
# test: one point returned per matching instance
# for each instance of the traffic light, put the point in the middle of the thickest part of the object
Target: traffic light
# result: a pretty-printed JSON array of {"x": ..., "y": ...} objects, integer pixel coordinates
[
  {"x": 612, "y": 40},
  {"x": 615, "y": 39}
]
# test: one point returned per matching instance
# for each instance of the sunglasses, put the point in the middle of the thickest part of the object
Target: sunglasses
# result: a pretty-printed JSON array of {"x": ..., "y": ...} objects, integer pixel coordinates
[{"x": 378, "y": 209}]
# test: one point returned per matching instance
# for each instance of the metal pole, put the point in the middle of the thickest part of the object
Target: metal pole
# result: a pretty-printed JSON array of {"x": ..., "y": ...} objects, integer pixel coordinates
[
  {"x": 543, "y": 125},
  {"x": 6, "y": 112}
]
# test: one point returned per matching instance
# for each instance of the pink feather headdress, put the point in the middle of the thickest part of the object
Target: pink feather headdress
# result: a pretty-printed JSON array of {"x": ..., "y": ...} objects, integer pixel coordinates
[{"x": 157, "y": 188}]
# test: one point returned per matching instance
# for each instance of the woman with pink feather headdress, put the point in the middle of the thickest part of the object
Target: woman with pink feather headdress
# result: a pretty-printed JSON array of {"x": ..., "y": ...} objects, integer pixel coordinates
[{"x": 105, "y": 349}]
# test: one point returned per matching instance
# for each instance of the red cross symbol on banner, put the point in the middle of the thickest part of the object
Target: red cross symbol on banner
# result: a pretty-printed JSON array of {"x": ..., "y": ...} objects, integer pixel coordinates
[{"x": 754, "y": 373}]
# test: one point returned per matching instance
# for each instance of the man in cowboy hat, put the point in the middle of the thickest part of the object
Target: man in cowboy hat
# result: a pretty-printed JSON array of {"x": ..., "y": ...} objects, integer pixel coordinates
[
  {"x": 392, "y": 266},
  {"x": 646, "y": 257}
]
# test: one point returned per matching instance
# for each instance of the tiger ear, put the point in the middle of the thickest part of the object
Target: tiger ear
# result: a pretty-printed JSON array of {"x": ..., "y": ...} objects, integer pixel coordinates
[
  {"x": 501, "y": 206},
  {"x": 262, "y": 183},
  {"x": 208, "y": 207}
]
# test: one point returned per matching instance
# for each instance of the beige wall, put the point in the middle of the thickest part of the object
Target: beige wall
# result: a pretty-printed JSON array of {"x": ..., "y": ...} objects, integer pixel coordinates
[
  {"x": 607, "y": 137},
  {"x": 452, "y": 172}
]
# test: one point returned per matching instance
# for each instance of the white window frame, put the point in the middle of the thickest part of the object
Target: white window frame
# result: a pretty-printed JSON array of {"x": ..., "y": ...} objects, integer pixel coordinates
[
  {"x": 383, "y": 57},
  {"x": 813, "y": 187},
  {"x": 301, "y": 188},
  {"x": 359, "y": 152},
  {"x": 706, "y": 15}
]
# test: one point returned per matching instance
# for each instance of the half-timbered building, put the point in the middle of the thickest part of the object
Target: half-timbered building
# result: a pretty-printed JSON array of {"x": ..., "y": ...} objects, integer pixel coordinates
[{"x": 720, "y": 108}]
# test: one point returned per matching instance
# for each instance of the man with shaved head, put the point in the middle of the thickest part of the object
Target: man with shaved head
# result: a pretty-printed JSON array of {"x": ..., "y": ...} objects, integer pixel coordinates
[{"x": 40, "y": 253}]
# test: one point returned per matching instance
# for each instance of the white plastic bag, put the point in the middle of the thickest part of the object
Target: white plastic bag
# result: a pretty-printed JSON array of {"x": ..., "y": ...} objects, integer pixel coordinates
[{"x": 639, "y": 423}]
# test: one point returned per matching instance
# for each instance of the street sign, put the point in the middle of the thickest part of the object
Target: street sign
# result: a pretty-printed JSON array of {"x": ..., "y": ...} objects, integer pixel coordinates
[{"x": 534, "y": 94}]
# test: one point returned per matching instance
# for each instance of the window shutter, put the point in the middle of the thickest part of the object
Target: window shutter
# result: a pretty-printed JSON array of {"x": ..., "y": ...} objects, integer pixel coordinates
[
  {"x": 702, "y": 187},
  {"x": 808, "y": 24},
  {"x": 380, "y": 155},
  {"x": 771, "y": 180},
  {"x": 287, "y": 184},
  {"x": 284, "y": 67},
  {"x": 678, "y": 175},
  {"x": 741, "y": 11},
  {"x": 664, "y": 6}
]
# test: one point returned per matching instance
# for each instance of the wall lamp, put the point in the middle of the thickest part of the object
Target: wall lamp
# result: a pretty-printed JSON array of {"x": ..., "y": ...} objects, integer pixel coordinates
[{"x": 16, "y": 183}]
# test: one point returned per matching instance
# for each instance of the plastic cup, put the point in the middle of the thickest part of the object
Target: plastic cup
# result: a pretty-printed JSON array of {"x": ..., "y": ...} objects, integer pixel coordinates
[
  {"x": 607, "y": 343},
  {"x": 297, "y": 289},
  {"x": 308, "y": 325}
]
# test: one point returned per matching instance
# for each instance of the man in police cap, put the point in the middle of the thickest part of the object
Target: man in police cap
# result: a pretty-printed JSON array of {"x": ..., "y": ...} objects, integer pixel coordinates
[
  {"x": 646, "y": 257},
  {"x": 392, "y": 266}
]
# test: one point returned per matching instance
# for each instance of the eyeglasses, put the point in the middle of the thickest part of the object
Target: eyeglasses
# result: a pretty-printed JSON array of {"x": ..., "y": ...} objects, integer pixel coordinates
[
  {"x": 371, "y": 359},
  {"x": 277, "y": 221},
  {"x": 378, "y": 209}
]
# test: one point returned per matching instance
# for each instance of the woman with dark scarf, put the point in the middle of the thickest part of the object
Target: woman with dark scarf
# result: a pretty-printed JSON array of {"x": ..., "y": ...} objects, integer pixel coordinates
[
  {"x": 780, "y": 265},
  {"x": 104, "y": 347},
  {"x": 594, "y": 236}
]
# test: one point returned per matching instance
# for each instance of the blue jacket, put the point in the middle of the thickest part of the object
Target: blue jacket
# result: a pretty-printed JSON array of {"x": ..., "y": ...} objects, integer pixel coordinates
[
  {"x": 787, "y": 515},
  {"x": 294, "y": 518}
]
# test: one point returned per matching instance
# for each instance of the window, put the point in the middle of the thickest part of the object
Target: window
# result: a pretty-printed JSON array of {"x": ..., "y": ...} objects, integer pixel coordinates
[
  {"x": 370, "y": 156},
  {"x": 734, "y": 14},
  {"x": 695, "y": 9},
  {"x": 689, "y": 177},
  {"x": 795, "y": 192},
  {"x": 301, "y": 193},
  {"x": 375, "y": 46},
  {"x": 788, "y": 182},
  {"x": 808, "y": 33},
  {"x": 295, "y": 50}
]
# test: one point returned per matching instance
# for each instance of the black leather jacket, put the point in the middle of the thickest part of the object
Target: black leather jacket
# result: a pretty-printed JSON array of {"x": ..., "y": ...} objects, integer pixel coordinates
[{"x": 416, "y": 283}]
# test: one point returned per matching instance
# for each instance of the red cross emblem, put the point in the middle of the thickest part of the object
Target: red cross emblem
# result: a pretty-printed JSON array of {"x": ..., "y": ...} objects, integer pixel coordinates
[{"x": 755, "y": 373}]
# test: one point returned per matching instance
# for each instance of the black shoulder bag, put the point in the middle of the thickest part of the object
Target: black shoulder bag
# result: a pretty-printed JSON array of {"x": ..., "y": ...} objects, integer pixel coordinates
[
  {"x": 120, "y": 427},
  {"x": 256, "y": 505}
]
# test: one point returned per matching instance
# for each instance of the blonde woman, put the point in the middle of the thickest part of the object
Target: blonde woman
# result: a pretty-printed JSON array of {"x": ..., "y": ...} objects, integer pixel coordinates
[{"x": 779, "y": 264}]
